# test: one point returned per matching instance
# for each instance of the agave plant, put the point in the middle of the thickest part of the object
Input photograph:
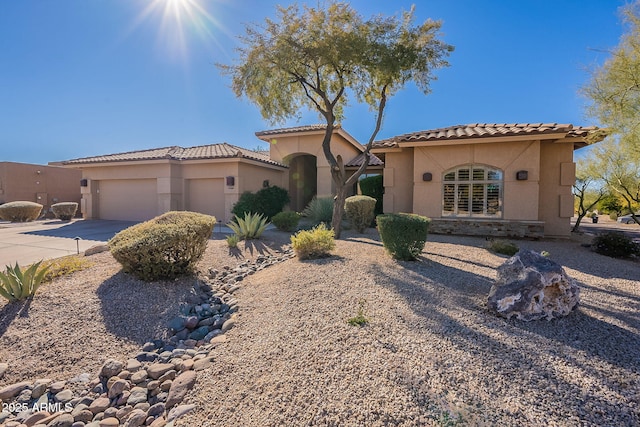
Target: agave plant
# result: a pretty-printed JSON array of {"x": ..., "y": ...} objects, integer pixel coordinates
[
  {"x": 16, "y": 284},
  {"x": 250, "y": 227}
]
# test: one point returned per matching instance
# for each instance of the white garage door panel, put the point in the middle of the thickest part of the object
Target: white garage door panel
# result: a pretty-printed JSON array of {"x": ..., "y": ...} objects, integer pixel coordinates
[
  {"x": 207, "y": 196},
  {"x": 130, "y": 199}
]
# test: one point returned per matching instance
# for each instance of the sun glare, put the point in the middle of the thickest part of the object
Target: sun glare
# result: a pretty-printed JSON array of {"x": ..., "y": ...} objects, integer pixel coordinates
[{"x": 179, "y": 21}]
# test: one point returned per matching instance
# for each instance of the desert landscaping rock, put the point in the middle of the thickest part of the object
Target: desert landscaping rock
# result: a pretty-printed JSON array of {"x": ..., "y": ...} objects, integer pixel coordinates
[
  {"x": 3, "y": 369},
  {"x": 111, "y": 368},
  {"x": 13, "y": 390}
]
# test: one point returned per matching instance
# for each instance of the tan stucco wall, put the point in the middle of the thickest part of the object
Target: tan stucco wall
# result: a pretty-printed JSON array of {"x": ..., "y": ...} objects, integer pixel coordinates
[
  {"x": 398, "y": 181},
  {"x": 282, "y": 148},
  {"x": 174, "y": 180},
  {"x": 556, "y": 199},
  {"x": 38, "y": 183}
]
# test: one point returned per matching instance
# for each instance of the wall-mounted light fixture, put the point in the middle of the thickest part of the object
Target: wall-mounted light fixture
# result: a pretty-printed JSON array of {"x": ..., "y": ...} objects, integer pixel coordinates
[
  {"x": 522, "y": 175},
  {"x": 427, "y": 176},
  {"x": 38, "y": 172},
  {"x": 231, "y": 181},
  {"x": 84, "y": 182},
  {"x": 265, "y": 183}
]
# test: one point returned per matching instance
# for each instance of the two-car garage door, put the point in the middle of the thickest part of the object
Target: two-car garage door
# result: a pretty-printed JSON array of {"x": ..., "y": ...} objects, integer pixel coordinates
[{"x": 128, "y": 199}]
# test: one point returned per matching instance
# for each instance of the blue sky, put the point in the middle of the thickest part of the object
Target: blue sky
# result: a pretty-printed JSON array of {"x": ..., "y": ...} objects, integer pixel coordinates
[{"x": 88, "y": 77}]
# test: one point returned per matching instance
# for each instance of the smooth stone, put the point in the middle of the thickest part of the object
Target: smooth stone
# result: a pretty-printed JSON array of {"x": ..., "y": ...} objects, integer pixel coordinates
[
  {"x": 109, "y": 422},
  {"x": 117, "y": 388},
  {"x": 156, "y": 370},
  {"x": 110, "y": 412},
  {"x": 153, "y": 385},
  {"x": 180, "y": 411},
  {"x": 218, "y": 339},
  {"x": 64, "y": 420},
  {"x": 156, "y": 410},
  {"x": 64, "y": 396},
  {"x": 124, "y": 412},
  {"x": 83, "y": 378},
  {"x": 144, "y": 406},
  {"x": 40, "y": 387},
  {"x": 133, "y": 365},
  {"x": 165, "y": 386},
  {"x": 169, "y": 375},
  {"x": 57, "y": 387},
  {"x": 199, "y": 333},
  {"x": 138, "y": 394},
  {"x": 79, "y": 424},
  {"x": 185, "y": 365},
  {"x": 84, "y": 415},
  {"x": 13, "y": 390},
  {"x": 148, "y": 346},
  {"x": 35, "y": 418},
  {"x": 139, "y": 376},
  {"x": 96, "y": 249},
  {"x": 111, "y": 368},
  {"x": 179, "y": 387},
  {"x": 159, "y": 422},
  {"x": 3, "y": 369},
  {"x": 191, "y": 322},
  {"x": 202, "y": 364},
  {"x": 99, "y": 405},
  {"x": 176, "y": 324},
  {"x": 136, "y": 418}
]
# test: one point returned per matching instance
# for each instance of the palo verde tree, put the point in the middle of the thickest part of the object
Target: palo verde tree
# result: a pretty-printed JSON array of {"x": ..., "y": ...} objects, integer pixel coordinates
[
  {"x": 584, "y": 191},
  {"x": 614, "y": 88},
  {"x": 317, "y": 58}
]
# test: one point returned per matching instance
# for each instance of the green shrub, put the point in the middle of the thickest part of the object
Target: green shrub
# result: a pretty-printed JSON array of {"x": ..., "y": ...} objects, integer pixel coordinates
[
  {"x": 315, "y": 243},
  {"x": 268, "y": 201},
  {"x": 64, "y": 210},
  {"x": 320, "y": 209},
  {"x": 250, "y": 227},
  {"x": 360, "y": 319},
  {"x": 360, "y": 211},
  {"x": 503, "y": 247},
  {"x": 613, "y": 216},
  {"x": 164, "y": 247},
  {"x": 20, "y": 211},
  {"x": 373, "y": 186},
  {"x": 64, "y": 266},
  {"x": 16, "y": 284},
  {"x": 615, "y": 244},
  {"x": 233, "y": 240},
  {"x": 403, "y": 235},
  {"x": 286, "y": 221}
]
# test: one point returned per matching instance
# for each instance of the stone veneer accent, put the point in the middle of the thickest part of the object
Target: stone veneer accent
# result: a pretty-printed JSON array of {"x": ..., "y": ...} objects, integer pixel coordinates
[{"x": 486, "y": 227}]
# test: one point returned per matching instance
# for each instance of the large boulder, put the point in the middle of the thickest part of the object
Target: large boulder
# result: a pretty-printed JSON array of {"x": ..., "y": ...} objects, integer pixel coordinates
[{"x": 531, "y": 287}]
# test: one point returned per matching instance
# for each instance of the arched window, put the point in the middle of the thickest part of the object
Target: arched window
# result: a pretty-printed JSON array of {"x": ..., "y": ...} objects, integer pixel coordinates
[{"x": 472, "y": 191}]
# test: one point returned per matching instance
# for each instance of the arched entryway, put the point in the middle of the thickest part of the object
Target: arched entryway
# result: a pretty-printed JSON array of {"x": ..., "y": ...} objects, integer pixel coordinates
[{"x": 303, "y": 180}]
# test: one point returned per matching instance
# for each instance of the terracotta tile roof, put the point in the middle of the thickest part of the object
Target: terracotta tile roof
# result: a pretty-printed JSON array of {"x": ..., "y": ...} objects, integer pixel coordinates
[
  {"x": 202, "y": 152},
  {"x": 296, "y": 129},
  {"x": 357, "y": 161},
  {"x": 487, "y": 130}
]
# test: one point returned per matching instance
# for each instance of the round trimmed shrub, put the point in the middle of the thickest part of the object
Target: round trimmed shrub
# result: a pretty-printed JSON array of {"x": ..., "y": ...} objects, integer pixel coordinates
[
  {"x": 315, "y": 243},
  {"x": 403, "y": 235},
  {"x": 64, "y": 210},
  {"x": 20, "y": 211},
  {"x": 360, "y": 211},
  {"x": 267, "y": 201},
  {"x": 164, "y": 247},
  {"x": 615, "y": 245},
  {"x": 286, "y": 221},
  {"x": 373, "y": 186}
]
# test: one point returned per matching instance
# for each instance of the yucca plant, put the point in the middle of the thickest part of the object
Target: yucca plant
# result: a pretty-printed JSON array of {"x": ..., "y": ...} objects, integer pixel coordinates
[
  {"x": 232, "y": 240},
  {"x": 250, "y": 227},
  {"x": 17, "y": 284}
]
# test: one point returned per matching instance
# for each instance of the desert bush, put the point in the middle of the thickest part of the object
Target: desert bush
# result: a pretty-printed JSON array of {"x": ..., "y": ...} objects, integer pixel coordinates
[
  {"x": 403, "y": 235},
  {"x": 20, "y": 211},
  {"x": 267, "y": 201},
  {"x": 64, "y": 210},
  {"x": 315, "y": 243},
  {"x": 615, "y": 245},
  {"x": 233, "y": 240},
  {"x": 613, "y": 216},
  {"x": 64, "y": 266},
  {"x": 17, "y": 284},
  {"x": 164, "y": 247},
  {"x": 320, "y": 209},
  {"x": 250, "y": 227},
  {"x": 502, "y": 247},
  {"x": 373, "y": 186},
  {"x": 360, "y": 211},
  {"x": 286, "y": 221}
]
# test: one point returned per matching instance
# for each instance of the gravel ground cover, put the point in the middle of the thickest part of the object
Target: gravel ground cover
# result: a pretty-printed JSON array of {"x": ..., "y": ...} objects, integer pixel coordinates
[{"x": 431, "y": 353}]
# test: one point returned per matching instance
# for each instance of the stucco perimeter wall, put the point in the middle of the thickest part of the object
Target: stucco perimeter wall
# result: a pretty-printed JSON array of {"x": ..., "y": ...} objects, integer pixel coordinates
[
  {"x": 398, "y": 181},
  {"x": 282, "y": 148},
  {"x": 520, "y": 198},
  {"x": 43, "y": 184},
  {"x": 556, "y": 198}
]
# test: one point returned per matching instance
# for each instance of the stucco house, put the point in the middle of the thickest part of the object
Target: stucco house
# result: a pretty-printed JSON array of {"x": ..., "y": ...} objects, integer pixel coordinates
[
  {"x": 43, "y": 184},
  {"x": 484, "y": 179}
]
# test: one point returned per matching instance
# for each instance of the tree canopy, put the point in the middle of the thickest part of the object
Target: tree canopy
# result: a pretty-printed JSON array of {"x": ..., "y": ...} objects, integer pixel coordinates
[
  {"x": 614, "y": 88},
  {"x": 319, "y": 58}
]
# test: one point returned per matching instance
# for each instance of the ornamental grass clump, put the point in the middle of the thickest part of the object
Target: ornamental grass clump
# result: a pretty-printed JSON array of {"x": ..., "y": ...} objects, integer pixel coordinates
[
  {"x": 164, "y": 247},
  {"x": 360, "y": 211},
  {"x": 315, "y": 243},
  {"x": 17, "y": 284},
  {"x": 250, "y": 227},
  {"x": 64, "y": 211},
  {"x": 503, "y": 247},
  {"x": 20, "y": 211},
  {"x": 286, "y": 221},
  {"x": 403, "y": 235},
  {"x": 320, "y": 209}
]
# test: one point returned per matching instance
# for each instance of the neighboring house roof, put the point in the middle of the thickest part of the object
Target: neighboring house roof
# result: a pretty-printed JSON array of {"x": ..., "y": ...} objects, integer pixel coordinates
[
  {"x": 268, "y": 135},
  {"x": 491, "y": 130},
  {"x": 359, "y": 159},
  {"x": 202, "y": 152}
]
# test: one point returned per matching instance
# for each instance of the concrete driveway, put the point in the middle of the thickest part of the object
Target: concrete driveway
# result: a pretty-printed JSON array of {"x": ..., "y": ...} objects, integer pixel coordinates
[{"x": 30, "y": 242}]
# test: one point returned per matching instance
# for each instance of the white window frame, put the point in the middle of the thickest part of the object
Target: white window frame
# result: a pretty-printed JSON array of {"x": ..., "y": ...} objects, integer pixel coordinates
[{"x": 456, "y": 212}]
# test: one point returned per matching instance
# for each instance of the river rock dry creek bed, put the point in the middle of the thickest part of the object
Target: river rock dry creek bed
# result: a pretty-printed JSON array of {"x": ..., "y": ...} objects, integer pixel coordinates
[{"x": 430, "y": 354}]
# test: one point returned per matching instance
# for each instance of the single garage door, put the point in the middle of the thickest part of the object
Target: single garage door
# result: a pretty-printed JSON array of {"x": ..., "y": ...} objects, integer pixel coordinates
[
  {"x": 206, "y": 196},
  {"x": 128, "y": 199}
]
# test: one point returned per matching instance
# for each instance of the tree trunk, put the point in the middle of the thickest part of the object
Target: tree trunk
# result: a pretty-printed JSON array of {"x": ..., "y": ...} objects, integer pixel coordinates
[{"x": 338, "y": 209}]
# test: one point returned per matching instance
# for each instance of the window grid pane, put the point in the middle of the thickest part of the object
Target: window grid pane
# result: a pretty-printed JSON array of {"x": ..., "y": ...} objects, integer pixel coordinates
[{"x": 472, "y": 191}]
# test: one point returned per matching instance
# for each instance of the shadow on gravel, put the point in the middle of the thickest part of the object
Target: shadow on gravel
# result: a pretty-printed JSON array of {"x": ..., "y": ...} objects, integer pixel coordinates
[
  {"x": 12, "y": 310},
  {"x": 451, "y": 303},
  {"x": 140, "y": 311}
]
